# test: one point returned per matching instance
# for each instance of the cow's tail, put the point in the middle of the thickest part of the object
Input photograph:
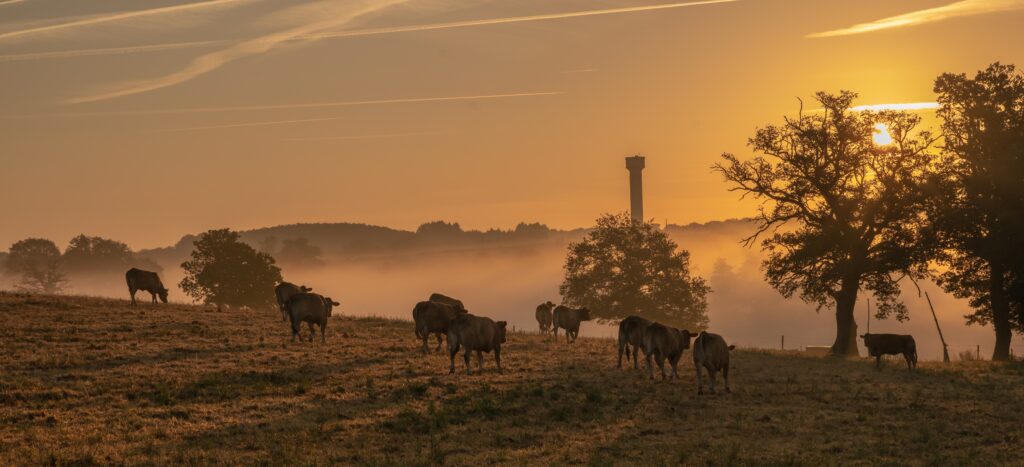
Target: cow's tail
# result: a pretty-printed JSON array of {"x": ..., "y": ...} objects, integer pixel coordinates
[
  {"x": 622, "y": 336},
  {"x": 416, "y": 319}
]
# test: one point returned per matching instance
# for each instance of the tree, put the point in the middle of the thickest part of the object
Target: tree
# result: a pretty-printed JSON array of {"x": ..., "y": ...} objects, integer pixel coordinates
[
  {"x": 624, "y": 267},
  {"x": 978, "y": 208},
  {"x": 299, "y": 252},
  {"x": 842, "y": 212},
  {"x": 86, "y": 254},
  {"x": 225, "y": 271},
  {"x": 37, "y": 261}
]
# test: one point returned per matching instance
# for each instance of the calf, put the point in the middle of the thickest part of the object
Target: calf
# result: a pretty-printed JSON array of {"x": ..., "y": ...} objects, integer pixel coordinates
[
  {"x": 475, "y": 333},
  {"x": 286, "y": 290},
  {"x": 433, "y": 318},
  {"x": 147, "y": 281},
  {"x": 310, "y": 308},
  {"x": 569, "y": 319},
  {"x": 891, "y": 344},
  {"x": 711, "y": 352},
  {"x": 631, "y": 333},
  {"x": 544, "y": 316},
  {"x": 662, "y": 342}
]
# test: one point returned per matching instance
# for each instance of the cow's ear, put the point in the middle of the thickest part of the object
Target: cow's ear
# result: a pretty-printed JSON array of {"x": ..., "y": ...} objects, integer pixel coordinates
[{"x": 335, "y": 303}]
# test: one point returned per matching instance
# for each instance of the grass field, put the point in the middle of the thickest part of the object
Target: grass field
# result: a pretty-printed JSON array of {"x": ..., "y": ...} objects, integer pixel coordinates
[{"x": 94, "y": 381}]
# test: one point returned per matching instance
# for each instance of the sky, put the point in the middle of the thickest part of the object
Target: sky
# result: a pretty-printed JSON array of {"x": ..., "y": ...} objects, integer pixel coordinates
[{"x": 143, "y": 120}]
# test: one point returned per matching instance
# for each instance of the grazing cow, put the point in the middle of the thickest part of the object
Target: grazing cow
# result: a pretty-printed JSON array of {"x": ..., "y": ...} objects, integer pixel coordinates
[
  {"x": 147, "y": 281},
  {"x": 544, "y": 316},
  {"x": 631, "y": 332},
  {"x": 475, "y": 333},
  {"x": 711, "y": 352},
  {"x": 284, "y": 291},
  {"x": 891, "y": 344},
  {"x": 310, "y": 308},
  {"x": 432, "y": 317},
  {"x": 569, "y": 319},
  {"x": 663, "y": 342},
  {"x": 441, "y": 298}
]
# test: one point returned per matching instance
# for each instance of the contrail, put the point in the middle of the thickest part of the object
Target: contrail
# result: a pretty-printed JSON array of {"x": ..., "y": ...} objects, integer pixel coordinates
[
  {"x": 311, "y": 105},
  {"x": 930, "y": 15},
  {"x": 248, "y": 124},
  {"x": 378, "y": 136},
  {"x": 116, "y": 17},
  {"x": 357, "y": 32},
  {"x": 10, "y": 2}
]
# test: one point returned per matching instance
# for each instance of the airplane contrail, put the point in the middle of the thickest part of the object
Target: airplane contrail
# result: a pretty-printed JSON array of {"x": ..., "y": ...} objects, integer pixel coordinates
[
  {"x": 356, "y": 32},
  {"x": 930, "y": 15},
  {"x": 116, "y": 17},
  {"x": 10, "y": 2},
  {"x": 377, "y": 136},
  {"x": 248, "y": 124},
  {"x": 311, "y": 105}
]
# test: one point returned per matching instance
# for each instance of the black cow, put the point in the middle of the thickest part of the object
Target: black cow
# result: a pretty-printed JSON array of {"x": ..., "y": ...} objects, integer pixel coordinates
[
  {"x": 286, "y": 290},
  {"x": 147, "y": 281},
  {"x": 569, "y": 319},
  {"x": 891, "y": 344}
]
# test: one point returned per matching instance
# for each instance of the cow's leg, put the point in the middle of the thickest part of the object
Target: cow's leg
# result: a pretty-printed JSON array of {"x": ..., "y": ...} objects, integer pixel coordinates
[
  {"x": 675, "y": 363},
  {"x": 439, "y": 342},
  {"x": 906, "y": 356},
  {"x": 700, "y": 382},
  {"x": 725, "y": 376},
  {"x": 711, "y": 377},
  {"x": 479, "y": 360},
  {"x": 425, "y": 335},
  {"x": 621, "y": 348},
  {"x": 295, "y": 330},
  {"x": 452, "y": 350},
  {"x": 131, "y": 291},
  {"x": 878, "y": 361},
  {"x": 636, "y": 352},
  {"x": 497, "y": 359},
  {"x": 467, "y": 355},
  {"x": 650, "y": 366},
  {"x": 555, "y": 330},
  {"x": 153, "y": 294},
  {"x": 661, "y": 365},
  {"x": 323, "y": 334}
]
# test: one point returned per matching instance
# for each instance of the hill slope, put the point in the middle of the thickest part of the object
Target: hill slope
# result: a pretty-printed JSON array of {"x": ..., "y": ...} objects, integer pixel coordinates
[{"x": 95, "y": 381}]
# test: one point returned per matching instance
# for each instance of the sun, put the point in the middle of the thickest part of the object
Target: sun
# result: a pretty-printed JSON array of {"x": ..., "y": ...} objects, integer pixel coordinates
[{"x": 881, "y": 135}]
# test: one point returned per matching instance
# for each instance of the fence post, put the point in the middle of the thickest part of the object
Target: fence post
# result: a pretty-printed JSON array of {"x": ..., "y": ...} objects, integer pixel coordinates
[
  {"x": 783, "y": 342},
  {"x": 978, "y": 352}
]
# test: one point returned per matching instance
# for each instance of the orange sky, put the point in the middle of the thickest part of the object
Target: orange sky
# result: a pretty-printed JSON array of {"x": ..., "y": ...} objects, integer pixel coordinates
[{"x": 143, "y": 120}]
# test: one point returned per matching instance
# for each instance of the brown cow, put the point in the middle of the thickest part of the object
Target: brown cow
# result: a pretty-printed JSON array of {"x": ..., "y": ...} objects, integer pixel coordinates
[
  {"x": 147, "y": 281},
  {"x": 663, "y": 342},
  {"x": 631, "y": 333},
  {"x": 891, "y": 344},
  {"x": 569, "y": 319},
  {"x": 544, "y": 316},
  {"x": 475, "y": 333},
  {"x": 442, "y": 298},
  {"x": 432, "y": 317},
  {"x": 286, "y": 290},
  {"x": 712, "y": 353},
  {"x": 310, "y": 308}
]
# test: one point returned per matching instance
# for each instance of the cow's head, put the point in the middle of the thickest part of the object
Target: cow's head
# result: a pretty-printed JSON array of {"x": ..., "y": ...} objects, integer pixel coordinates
[
  {"x": 865, "y": 336},
  {"x": 305, "y": 289},
  {"x": 163, "y": 294},
  {"x": 550, "y": 304},
  {"x": 585, "y": 314},
  {"x": 687, "y": 335},
  {"x": 501, "y": 331},
  {"x": 329, "y": 304}
]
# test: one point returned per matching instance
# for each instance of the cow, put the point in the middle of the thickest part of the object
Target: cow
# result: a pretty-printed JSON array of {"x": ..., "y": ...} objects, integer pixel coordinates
[
  {"x": 284, "y": 291},
  {"x": 891, "y": 344},
  {"x": 569, "y": 319},
  {"x": 711, "y": 353},
  {"x": 631, "y": 332},
  {"x": 544, "y": 316},
  {"x": 310, "y": 308},
  {"x": 442, "y": 298},
  {"x": 475, "y": 333},
  {"x": 662, "y": 342},
  {"x": 432, "y": 317},
  {"x": 147, "y": 281}
]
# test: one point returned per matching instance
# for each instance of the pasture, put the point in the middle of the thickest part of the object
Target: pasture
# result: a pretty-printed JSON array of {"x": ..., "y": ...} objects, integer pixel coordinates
[{"x": 95, "y": 381}]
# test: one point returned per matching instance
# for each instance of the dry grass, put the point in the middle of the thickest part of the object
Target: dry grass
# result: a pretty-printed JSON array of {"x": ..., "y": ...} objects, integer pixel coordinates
[{"x": 94, "y": 381}]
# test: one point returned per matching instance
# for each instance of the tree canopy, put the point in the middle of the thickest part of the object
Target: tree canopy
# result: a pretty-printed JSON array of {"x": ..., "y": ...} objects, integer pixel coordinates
[
  {"x": 837, "y": 212},
  {"x": 37, "y": 262},
  {"x": 624, "y": 268},
  {"x": 225, "y": 271}
]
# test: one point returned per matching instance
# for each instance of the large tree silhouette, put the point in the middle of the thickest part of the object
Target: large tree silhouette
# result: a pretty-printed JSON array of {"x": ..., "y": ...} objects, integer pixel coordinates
[
  {"x": 37, "y": 262},
  {"x": 839, "y": 213},
  {"x": 624, "y": 267},
  {"x": 225, "y": 271},
  {"x": 978, "y": 208}
]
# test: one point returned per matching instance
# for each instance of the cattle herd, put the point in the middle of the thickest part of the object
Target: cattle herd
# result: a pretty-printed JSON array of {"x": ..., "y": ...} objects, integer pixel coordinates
[{"x": 444, "y": 316}]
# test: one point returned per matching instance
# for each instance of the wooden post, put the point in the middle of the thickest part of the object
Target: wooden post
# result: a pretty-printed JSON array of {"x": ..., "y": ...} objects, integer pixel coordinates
[
  {"x": 869, "y": 315},
  {"x": 978, "y": 352},
  {"x": 783, "y": 342},
  {"x": 945, "y": 348}
]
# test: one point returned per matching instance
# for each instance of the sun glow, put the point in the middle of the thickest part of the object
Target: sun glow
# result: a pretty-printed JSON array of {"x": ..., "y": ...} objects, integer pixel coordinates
[{"x": 881, "y": 135}]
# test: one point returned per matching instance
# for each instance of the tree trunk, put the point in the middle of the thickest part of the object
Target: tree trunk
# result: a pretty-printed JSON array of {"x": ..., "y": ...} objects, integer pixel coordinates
[
  {"x": 846, "y": 327},
  {"x": 1000, "y": 311}
]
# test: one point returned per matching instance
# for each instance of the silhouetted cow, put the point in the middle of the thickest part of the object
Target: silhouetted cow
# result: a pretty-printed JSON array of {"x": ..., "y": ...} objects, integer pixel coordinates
[
  {"x": 310, "y": 308},
  {"x": 712, "y": 353},
  {"x": 543, "y": 315},
  {"x": 569, "y": 319},
  {"x": 148, "y": 281},
  {"x": 631, "y": 332},
  {"x": 475, "y": 333},
  {"x": 441, "y": 298},
  {"x": 891, "y": 344},
  {"x": 284, "y": 291},
  {"x": 432, "y": 317},
  {"x": 662, "y": 342}
]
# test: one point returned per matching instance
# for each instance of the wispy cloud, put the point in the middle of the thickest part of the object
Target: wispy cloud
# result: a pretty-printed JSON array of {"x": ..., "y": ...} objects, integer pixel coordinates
[
  {"x": 116, "y": 17},
  {"x": 249, "y": 124},
  {"x": 363, "y": 32},
  {"x": 376, "y": 136},
  {"x": 908, "y": 106},
  {"x": 335, "y": 17},
  {"x": 10, "y": 2},
  {"x": 309, "y": 105},
  {"x": 930, "y": 15}
]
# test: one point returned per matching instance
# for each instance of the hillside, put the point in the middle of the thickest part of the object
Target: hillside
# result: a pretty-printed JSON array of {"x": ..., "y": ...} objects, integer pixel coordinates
[{"x": 94, "y": 381}]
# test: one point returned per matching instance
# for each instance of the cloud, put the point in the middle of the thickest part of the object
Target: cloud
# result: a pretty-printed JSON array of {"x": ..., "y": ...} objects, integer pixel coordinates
[
  {"x": 10, "y": 2},
  {"x": 363, "y": 32},
  {"x": 250, "y": 124},
  {"x": 376, "y": 136},
  {"x": 116, "y": 17},
  {"x": 310, "y": 105},
  {"x": 335, "y": 17},
  {"x": 930, "y": 15}
]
